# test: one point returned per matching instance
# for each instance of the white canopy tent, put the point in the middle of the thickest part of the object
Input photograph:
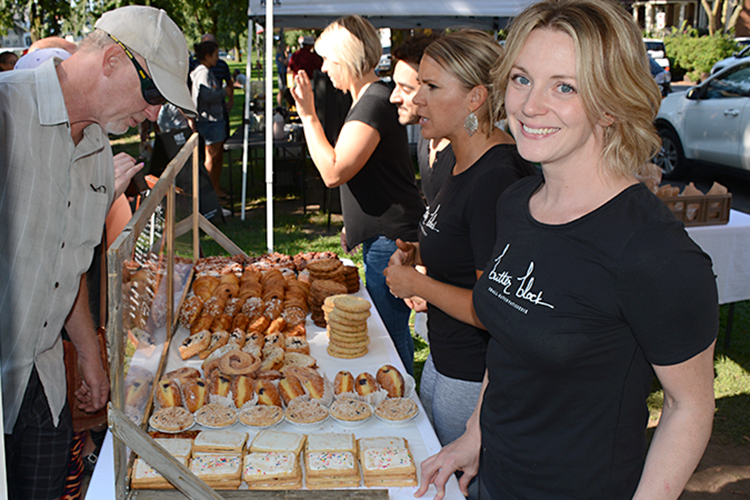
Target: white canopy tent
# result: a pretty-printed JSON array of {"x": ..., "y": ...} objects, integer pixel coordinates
[{"x": 395, "y": 14}]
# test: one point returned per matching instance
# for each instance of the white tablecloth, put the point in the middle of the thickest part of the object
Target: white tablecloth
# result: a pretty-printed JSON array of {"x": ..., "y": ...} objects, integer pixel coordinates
[
  {"x": 421, "y": 437},
  {"x": 728, "y": 246}
]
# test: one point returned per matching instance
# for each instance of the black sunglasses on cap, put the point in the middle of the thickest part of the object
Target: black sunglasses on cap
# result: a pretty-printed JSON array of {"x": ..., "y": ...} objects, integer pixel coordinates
[{"x": 148, "y": 88}]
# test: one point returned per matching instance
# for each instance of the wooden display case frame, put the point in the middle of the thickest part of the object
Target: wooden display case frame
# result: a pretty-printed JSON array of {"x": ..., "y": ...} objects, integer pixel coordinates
[{"x": 125, "y": 433}]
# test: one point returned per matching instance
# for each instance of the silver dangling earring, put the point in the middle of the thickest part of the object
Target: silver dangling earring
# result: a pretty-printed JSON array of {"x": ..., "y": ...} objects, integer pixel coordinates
[{"x": 471, "y": 124}]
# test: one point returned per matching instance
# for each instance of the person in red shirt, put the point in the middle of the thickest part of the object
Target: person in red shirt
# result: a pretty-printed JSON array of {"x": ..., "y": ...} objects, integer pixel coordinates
[{"x": 305, "y": 58}]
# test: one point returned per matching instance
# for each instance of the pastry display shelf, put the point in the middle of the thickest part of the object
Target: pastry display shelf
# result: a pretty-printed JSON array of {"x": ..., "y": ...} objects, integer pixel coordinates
[{"x": 110, "y": 478}]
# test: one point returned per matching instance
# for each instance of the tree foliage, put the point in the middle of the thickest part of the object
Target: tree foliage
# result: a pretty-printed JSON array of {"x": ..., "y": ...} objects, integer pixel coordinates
[
  {"x": 227, "y": 19},
  {"x": 694, "y": 55},
  {"x": 722, "y": 14}
]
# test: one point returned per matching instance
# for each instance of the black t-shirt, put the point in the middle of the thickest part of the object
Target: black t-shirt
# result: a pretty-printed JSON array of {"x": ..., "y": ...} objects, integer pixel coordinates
[
  {"x": 382, "y": 198},
  {"x": 433, "y": 177},
  {"x": 577, "y": 314},
  {"x": 456, "y": 237}
]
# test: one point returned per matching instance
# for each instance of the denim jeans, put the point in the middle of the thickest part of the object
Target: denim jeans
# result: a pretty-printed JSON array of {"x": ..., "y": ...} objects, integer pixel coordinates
[{"x": 376, "y": 252}]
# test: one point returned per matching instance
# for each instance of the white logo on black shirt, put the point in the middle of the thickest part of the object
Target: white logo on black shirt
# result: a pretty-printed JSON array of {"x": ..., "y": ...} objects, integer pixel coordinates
[
  {"x": 524, "y": 290},
  {"x": 429, "y": 220}
]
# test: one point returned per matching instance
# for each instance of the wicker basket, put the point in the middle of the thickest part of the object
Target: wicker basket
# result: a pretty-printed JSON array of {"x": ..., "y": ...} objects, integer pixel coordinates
[{"x": 705, "y": 210}]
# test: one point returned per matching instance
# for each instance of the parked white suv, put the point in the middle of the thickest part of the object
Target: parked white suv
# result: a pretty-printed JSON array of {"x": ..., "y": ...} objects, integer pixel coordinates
[{"x": 709, "y": 123}]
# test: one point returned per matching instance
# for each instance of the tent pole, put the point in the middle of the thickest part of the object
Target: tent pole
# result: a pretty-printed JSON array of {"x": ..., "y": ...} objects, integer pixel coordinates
[
  {"x": 268, "y": 71},
  {"x": 246, "y": 115}
]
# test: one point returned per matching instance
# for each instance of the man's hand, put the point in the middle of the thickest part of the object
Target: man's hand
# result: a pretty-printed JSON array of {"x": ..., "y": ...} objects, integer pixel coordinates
[
  {"x": 94, "y": 391},
  {"x": 125, "y": 169}
]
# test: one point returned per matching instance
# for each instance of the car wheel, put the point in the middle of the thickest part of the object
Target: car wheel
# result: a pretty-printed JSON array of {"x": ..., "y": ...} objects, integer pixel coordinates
[{"x": 670, "y": 158}]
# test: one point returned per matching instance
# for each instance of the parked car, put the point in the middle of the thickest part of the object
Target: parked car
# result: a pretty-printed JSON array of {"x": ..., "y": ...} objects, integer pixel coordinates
[
  {"x": 655, "y": 49},
  {"x": 663, "y": 77},
  {"x": 739, "y": 56},
  {"x": 707, "y": 123}
]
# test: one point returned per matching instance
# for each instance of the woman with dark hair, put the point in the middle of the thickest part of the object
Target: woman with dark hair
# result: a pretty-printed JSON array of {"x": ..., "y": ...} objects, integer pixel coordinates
[{"x": 208, "y": 96}]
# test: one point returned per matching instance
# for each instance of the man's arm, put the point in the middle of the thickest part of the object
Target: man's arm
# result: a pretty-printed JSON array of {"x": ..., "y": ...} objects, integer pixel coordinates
[{"x": 95, "y": 389}]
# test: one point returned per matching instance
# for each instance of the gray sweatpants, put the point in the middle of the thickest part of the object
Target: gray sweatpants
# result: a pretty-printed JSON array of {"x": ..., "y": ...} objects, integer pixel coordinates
[{"x": 448, "y": 403}]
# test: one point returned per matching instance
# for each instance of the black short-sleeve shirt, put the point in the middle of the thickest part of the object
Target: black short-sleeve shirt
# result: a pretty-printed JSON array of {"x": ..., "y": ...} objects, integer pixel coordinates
[
  {"x": 382, "y": 198},
  {"x": 456, "y": 236},
  {"x": 577, "y": 314},
  {"x": 433, "y": 177}
]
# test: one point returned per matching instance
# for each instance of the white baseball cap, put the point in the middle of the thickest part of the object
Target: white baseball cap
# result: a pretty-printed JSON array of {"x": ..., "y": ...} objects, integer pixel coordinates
[{"x": 152, "y": 34}]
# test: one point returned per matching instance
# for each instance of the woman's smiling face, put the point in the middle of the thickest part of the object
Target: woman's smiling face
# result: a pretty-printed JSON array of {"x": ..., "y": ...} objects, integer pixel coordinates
[{"x": 544, "y": 109}]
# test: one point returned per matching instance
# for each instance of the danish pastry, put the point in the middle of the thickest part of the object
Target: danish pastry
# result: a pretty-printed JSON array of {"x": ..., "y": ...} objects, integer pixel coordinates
[
  {"x": 195, "y": 344},
  {"x": 190, "y": 311},
  {"x": 391, "y": 380},
  {"x": 204, "y": 286},
  {"x": 344, "y": 382},
  {"x": 218, "y": 339},
  {"x": 203, "y": 322},
  {"x": 243, "y": 390},
  {"x": 196, "y": 394},
  {"x": 168, "y": 393},
  {"x": 220, "y": 384},
  {"x": 365, "y": 384},
  {"x": 183, "y": 374},
  {"x": 239, "y": 363},
  {"x": 267, "y": 393},
  {"x": 290, "y": 388}
]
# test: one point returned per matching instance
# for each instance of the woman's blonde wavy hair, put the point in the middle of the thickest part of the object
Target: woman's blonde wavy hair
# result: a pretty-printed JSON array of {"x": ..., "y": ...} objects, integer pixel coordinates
[
  {"x": 470, "y": 55},
  {"x": 614, "y": 81}
]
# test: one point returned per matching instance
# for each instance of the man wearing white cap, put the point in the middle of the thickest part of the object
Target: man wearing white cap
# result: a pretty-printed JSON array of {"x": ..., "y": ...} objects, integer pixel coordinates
[{"x": 56, "y": 185}]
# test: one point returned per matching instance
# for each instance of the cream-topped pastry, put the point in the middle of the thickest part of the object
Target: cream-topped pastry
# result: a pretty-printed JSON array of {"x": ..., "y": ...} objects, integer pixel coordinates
[
  {"x": 381, "y": 442},
  {"x": 391, "y": 458},
  {"x": 268, "y": 440},
  {"x": 330, "y": 460},
  {"x": 267, "y": 465},
  {"x": 330, "y": 441},
  {"x": 216, "y": 466}
]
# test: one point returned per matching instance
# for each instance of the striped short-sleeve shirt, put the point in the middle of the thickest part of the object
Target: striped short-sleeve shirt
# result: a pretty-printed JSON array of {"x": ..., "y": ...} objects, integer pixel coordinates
[{"x": 54, "y": 197}]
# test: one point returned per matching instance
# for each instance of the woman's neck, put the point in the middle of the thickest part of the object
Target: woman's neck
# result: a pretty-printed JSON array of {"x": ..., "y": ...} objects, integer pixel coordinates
[
  {"x": 469, "y": 149},
  {"x": 358, "y": 87},
  {"x": 569, "y": 194}
]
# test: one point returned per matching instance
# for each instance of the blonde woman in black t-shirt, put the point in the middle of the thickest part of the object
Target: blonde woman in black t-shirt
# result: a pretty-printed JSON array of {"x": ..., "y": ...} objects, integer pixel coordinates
[
  {"x": 593, "y": 286},
  {"x": 370, "y": 162}
]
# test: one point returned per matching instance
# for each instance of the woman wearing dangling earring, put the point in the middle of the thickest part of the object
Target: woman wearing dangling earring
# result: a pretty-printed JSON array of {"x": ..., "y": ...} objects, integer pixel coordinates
[{"x": 457, "y": 231}]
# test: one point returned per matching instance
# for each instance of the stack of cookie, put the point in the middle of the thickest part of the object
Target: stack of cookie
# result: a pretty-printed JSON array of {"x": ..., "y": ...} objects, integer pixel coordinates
[
  {"x": 319, "y": 291},
  {"x": 347, "y": 327},
  {"x": 326, "y": 269},
  {"x": 351, "y": 279}
]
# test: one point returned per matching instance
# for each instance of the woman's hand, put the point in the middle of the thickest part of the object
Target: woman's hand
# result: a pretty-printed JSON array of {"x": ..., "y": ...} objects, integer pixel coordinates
[
  {"x": 418, "y": 304},
  {"x": 303, "y": 95},
  {"x": 406, "y": 255},
  {"x": 462, "y": 454},
  {"x": 402, "y": 280}
]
